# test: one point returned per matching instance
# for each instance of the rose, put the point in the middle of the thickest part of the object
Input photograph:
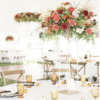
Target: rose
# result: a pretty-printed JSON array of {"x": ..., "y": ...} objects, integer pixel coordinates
[
  {"x": 29, "y": 14},
  {"x": 72, "y": 22},
  {"x": 67, "y": 3},
  {"x": 94, "y": 22},
  {"x": 60, "y": 11},
  {"x": 56, "y": 18},
  {"x": 55, "y": 27},
  {"x": 64, "y": 26},
  {"x": 91, "y": 14},
  {"x": 85, "y": 12},
  {"x": 53, "y": 14},
  {"x": 89, "y": 31},
  {"x": 71, "y": 9},
  {"x": 47, "y": 19}
]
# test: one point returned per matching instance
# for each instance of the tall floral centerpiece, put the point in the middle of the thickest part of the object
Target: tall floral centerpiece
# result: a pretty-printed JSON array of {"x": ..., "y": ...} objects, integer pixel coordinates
[{"x": 70, "y": 21}]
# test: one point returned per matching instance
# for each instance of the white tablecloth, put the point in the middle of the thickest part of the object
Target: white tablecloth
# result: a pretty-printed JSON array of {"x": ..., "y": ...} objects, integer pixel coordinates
[{"x": 37, "y": 93}]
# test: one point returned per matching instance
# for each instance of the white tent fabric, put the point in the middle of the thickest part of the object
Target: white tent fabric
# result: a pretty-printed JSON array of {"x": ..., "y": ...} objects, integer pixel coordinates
[{"x": 8, "y": 8}]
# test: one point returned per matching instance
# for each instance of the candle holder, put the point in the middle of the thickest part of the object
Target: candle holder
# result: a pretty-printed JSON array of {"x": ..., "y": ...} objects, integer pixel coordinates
[
  {"x": 95, "y": 92},
  {"x": 54, "y": 77},
  {"x": 20, "y": 90},
  {"x": 29, "y": 79},
  {"x": 54, "y": 94},
  {"x": 83, "y": 79}
]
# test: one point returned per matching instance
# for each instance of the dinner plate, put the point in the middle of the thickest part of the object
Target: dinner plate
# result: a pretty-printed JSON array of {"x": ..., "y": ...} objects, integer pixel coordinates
[{"x": 8, "y": 94}]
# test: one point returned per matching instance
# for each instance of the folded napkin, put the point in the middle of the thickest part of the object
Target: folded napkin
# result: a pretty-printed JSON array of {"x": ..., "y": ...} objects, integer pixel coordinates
[{"x": 8, "y": 94}]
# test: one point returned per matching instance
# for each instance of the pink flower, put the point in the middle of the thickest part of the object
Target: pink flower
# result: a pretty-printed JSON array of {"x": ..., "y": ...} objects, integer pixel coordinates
[
  {"x": 56, "y": 18},
  {"x": 55, "y": 27},
  {"x": 53, "y": 14},
  {"x": 91, "y": 14},
  {"x": 89, "y": 31},
  {"x": 47, "y": 19},
  {"x": 72, "y": 22},
  {"x": 71, "y": 9}
]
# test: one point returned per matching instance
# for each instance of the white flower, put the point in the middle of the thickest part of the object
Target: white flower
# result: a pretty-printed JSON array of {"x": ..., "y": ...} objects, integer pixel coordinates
[
  {"x": 79, "y": 30},
  {"x": 94, "y": 30},
  {"x": 75, "y": 13},
  {"x": 44, "y": 14}
]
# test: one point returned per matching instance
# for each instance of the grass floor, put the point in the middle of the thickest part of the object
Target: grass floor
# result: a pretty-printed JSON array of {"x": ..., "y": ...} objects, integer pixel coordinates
[
  {"x": 10, "y": 64},
  {"x": 2, "y": 82}
]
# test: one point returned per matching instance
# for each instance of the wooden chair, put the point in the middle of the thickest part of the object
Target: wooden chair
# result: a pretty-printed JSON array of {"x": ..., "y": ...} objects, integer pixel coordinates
[
  {"x": 21, "y": 72},
  {"x": 48, "y": 64},
  {"x": 72, "y": 71}
]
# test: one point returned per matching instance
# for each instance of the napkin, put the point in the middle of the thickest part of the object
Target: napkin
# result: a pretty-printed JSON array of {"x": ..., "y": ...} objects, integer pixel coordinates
[{"x": 8, "y": 94}]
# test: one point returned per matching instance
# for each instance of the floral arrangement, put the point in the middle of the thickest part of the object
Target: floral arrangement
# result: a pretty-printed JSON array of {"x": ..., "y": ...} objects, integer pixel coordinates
[
  {"x": 24, "y": 17},
  {"x": 71, "y": 21},
  {"x": 9, "y": 38}
]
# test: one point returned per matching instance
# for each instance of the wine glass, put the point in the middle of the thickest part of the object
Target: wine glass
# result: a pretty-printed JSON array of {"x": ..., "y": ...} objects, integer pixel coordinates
[
  {"x": 29, "y": 79},
  {"x": 54, "y": 94},
  {"x": 20, "y": 90},
  {"x": 95, "y": 92}
]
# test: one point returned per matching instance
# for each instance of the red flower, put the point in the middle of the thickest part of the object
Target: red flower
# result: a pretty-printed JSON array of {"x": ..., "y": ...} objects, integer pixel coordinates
[
  {"x": 60, "y": 11},
  {"x": 71, "y": 9},
  {"x": 85, "y": 12},
  {"x": 56, "y": 27},
  {"x": 53, "y": 14},
  {"x": 94, "y": 22},
  {"x": 64, "y": 26},
  {"x": 91, "y": 14},
  {"x": 67, "y": 3},
  {"x": 47, "y": 19},
  {"x": 56, "y": 18},
  {"x": 37, "y": 15},
  {"x": 72, "y": 22},
  {"x": 89, "y": 17},
  {"x": 29, "y": 13},
  {"x": 89, "y": 31}
]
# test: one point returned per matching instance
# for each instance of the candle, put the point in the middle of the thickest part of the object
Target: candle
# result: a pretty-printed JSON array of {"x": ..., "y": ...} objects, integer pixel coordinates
[{"x": 83, "y": 77}]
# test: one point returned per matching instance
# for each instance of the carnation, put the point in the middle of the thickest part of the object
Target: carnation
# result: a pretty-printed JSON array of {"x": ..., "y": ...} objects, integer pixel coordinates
[
  {"x": 72, "y": 22},
  {"x": 56, "y": 18},
  {"x": 55, "y": 27},
  {"x": 89, "y": 31},
  {"x": 64, "y": 26},
  {"x": 71, "y": 9}
]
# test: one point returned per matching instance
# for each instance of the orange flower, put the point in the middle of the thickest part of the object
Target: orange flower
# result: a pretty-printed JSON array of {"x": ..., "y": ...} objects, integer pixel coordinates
[
  {"x": 49, "y": 32},
  {"x": 64, "y": 17},
  {"x": 63, "y": 8},
  {"x": 68, "y": 20},
  {"x": 70, "y": 16},
  {"x": 87, "y": 24},
  {"x": 49, "y": 28}
]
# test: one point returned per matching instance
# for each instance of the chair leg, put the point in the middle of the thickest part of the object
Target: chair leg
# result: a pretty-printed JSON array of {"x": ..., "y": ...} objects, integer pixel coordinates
[{"x": 3, "y": 79}]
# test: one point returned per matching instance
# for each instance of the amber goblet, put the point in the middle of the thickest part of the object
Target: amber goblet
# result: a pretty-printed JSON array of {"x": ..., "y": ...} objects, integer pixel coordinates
[
  {"x": 29, "y": 79},
  {"x": 54, "y": 77},
  {"x": 20, "y": 90}
]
